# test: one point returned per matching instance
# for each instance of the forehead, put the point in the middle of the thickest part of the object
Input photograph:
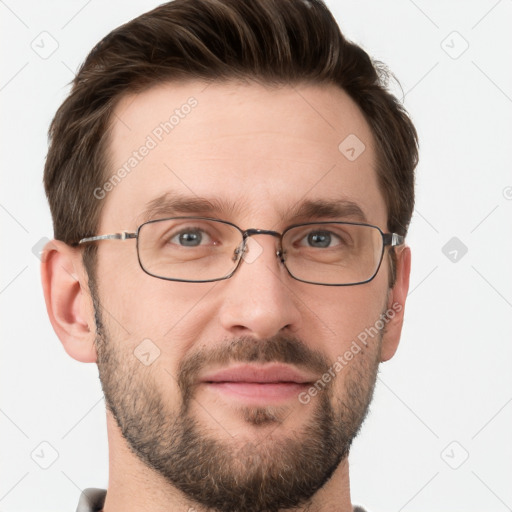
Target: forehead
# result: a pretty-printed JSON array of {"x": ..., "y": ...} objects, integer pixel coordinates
[{"x": 243, "y": 152}]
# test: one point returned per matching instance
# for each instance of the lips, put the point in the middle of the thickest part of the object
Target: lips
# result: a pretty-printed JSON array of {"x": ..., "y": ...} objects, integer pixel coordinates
[
  {"x": 267, "y": 374},
  {"x": 258, "y": 384}
]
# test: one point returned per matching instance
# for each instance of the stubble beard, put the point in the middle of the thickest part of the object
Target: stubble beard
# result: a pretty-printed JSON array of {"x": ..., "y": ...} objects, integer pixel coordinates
[{"x": 279, "y": 470}]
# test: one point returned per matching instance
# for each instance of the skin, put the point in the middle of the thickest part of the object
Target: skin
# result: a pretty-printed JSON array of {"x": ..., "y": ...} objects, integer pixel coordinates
[{"x": 263, "y": 150}]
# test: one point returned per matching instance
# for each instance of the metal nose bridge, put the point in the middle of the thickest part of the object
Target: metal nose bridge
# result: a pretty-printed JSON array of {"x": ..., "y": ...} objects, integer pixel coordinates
[{"x": 249, "y": 232}]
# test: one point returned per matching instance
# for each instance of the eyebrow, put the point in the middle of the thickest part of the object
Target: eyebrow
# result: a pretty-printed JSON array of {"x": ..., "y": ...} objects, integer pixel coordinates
[
  {"x": 332, "y": 209},
  {"x": 168, "y": 205},
  {"x": 177, "y": 204}
]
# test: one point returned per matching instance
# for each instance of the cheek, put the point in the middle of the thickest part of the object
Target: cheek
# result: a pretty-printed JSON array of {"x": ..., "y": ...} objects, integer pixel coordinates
[
  {"x": 142, "y": 305},
  {"x": 155, "y": 320},
  {"x": 346, "y": 317},
  {"x": 344, "y": 313}
]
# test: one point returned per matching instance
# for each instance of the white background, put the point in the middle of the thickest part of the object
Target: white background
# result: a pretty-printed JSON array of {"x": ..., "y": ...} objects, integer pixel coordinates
[{"x": 450, "y": 380}]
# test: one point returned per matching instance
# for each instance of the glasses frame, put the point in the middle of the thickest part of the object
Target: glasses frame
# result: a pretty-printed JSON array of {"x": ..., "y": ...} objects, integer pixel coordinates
[{"x": 388, "y": 239}]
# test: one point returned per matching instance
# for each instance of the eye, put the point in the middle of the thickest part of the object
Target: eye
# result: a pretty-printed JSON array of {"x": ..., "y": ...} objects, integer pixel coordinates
[
  {"x": 321, "y": 239},
  {"x": 190, "y": 237}
]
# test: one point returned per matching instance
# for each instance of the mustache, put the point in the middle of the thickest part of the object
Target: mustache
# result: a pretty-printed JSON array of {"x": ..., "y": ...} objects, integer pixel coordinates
[{"x": 280, "y": 348}]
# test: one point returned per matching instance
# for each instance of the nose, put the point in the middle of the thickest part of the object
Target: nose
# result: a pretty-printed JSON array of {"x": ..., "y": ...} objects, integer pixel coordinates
[{"x": 259, "y": 298}]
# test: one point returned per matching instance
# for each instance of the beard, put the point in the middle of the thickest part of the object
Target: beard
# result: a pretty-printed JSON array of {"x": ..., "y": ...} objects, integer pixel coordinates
[{"x": 282, "y": 469}]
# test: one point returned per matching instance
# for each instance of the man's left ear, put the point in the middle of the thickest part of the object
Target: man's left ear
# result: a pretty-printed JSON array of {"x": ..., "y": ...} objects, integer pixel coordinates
[{"x": 396, "y": 304}]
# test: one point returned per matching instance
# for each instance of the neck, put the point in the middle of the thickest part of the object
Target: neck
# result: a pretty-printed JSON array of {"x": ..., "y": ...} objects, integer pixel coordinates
[{"x": 135, "y": 487}]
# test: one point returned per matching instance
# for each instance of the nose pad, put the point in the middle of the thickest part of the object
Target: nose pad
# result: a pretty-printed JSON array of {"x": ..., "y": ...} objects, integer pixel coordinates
[
  {"x": 248, "y": 250},
  {"x": 251, "y": 253},
  {"x": 252, "y": 250},
  {"x": 239, "y": 251}
]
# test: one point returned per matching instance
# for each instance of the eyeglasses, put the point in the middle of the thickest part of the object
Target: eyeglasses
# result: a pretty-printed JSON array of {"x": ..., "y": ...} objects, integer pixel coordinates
[{"x": 202, "y": 249}]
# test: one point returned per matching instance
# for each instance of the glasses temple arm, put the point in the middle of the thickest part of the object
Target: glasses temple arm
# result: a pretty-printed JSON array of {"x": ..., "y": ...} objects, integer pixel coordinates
[
  {"x": 393, "y": 239},
  {"x": 114, "y": 236}
]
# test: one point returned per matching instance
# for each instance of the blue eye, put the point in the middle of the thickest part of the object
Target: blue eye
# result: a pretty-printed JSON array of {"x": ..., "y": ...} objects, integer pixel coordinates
[
  {"x": 189, "y": 238},
  {"x": 321, "y": 239}
]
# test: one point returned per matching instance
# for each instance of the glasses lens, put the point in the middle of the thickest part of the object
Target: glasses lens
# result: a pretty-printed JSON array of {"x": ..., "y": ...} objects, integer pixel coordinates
[
  {"x": 188, "y": 249},
  {"x": 333, "y": 253}
]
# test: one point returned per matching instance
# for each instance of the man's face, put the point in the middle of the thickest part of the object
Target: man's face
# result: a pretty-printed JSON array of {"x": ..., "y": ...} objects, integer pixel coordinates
[{"x": 261, "y": 152}]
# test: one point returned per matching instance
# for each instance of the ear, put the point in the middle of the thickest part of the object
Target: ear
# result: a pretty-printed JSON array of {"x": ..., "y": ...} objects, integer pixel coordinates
[
  {"x": 68, "y": 300},
  {"x": 396, "y": 304}
]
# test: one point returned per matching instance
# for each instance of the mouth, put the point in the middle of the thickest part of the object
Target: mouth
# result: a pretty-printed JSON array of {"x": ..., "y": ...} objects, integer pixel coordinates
[{"x": 261, "y": 384}]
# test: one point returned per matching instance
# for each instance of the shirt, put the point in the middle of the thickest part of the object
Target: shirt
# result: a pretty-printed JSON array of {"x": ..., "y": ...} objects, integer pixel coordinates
[{"x": 92, "y": 500}]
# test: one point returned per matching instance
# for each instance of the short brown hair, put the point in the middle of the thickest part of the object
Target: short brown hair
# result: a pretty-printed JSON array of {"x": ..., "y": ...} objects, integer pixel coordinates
[{"x": 270, "y": 41}]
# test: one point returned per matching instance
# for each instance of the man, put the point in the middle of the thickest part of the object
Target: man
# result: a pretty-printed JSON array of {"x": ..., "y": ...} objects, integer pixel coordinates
[{"x": 231, "y": 185}]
